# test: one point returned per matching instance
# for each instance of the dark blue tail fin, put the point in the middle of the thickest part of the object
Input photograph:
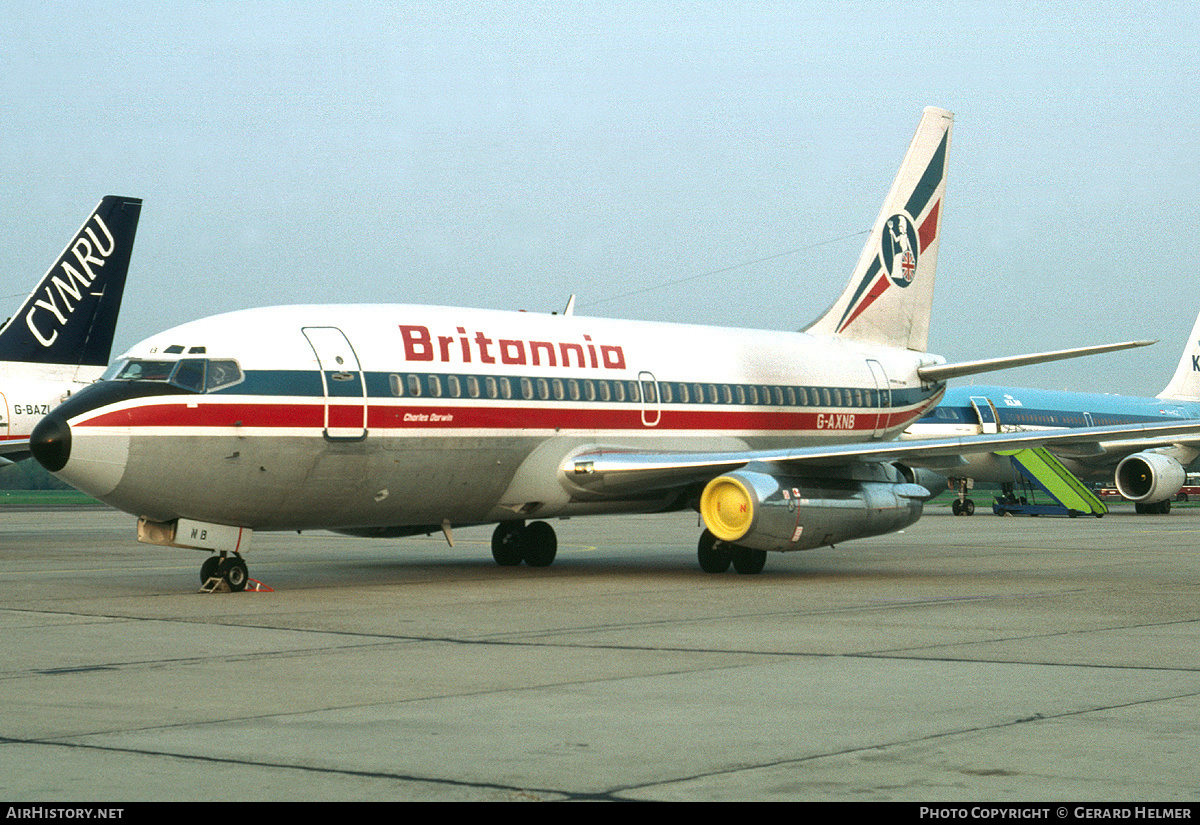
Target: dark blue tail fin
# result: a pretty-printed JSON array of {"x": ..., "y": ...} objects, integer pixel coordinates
[{"x": 71, "y": 315}]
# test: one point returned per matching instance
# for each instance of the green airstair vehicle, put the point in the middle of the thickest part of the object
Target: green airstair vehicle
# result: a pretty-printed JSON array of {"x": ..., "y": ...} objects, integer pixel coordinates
[{"x": 1043, "y": 472}]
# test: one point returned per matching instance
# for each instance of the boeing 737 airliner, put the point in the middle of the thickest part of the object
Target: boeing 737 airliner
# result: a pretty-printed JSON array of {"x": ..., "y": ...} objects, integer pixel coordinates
[
  {"x": 61, "y": 338},
  {"x": 1148, "y": 472},
  {"x": 395, "y": 420}
]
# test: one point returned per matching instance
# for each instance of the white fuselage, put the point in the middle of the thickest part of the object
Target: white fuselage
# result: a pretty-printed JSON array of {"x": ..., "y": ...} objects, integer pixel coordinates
[{"x": 390, "y": 416}]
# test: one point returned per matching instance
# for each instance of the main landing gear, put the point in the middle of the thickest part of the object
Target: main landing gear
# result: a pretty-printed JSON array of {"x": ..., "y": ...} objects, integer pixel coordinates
[
  {"x": 1157, "y": 508},
  {"x": 715, "y": 556},
  {"x": 231, "y": 570},
  {"x": 514, "y": 542},
  {"x": 535, "y": 544},
  {"x": 962, "y": 506}
]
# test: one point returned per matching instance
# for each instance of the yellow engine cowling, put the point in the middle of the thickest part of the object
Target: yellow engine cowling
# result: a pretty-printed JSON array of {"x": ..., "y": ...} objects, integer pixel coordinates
[{"x": 766, "y": 512}]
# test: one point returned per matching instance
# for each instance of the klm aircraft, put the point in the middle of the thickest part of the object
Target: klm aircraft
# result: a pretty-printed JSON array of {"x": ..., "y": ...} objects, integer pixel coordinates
[{"x": 1147, "y": 471}]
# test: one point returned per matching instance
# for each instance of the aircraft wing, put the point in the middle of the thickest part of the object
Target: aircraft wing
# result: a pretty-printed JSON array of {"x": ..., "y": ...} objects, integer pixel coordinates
[
  {"x": 14, "y": 450},
  {"x": 620, "y": 471},
  {"x": 1110, "y": 453}
]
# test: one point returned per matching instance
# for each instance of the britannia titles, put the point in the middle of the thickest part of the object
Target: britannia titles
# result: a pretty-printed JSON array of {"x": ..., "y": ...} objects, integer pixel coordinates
[{"x": 464, "y": 348}]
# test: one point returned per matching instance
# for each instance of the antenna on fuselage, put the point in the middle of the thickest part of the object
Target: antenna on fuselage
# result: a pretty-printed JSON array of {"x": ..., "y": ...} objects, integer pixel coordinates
[{"x": 570, "y": 307}]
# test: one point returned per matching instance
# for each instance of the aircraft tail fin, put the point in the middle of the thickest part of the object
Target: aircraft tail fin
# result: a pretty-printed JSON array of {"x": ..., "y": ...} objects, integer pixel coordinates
[
  {"x": 1185, "y": 384},
  {"x": 71, "y": 315},
  {"x": 890, "y": 294}
]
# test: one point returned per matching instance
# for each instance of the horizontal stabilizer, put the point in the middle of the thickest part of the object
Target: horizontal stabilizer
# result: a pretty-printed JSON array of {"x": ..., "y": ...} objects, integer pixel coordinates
[{"x": 942, "y": 372}]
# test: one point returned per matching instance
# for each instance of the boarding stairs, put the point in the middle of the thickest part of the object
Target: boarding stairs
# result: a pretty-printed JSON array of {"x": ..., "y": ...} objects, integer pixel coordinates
[{"x": 1040, "y": 470}]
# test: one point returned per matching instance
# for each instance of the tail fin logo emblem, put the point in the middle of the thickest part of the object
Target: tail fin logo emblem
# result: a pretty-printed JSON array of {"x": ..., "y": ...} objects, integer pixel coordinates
[{"x": 899, "y": 250}]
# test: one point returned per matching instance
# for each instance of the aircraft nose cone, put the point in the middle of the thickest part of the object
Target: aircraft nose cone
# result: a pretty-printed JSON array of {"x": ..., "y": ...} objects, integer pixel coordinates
[{"x": 50, "y": 443}]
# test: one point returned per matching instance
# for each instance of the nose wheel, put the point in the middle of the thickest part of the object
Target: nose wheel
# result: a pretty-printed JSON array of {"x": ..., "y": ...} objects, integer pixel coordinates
[{"x": 230, "y": 570}]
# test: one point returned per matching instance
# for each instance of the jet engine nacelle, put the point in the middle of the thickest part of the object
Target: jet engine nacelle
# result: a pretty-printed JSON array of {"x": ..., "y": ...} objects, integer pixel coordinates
[
  {"x": 766, "y": 512},
  {"x": 1149, "y": 477},
  {"x": 933, "y": 483}
]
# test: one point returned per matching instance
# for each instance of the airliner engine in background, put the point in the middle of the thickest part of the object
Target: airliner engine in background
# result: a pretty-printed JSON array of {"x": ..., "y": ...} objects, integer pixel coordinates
[
  {"x": 1147, "y": 471},
  {"x": 394, "y": 420},
  {"x": 61, "y": 338}
]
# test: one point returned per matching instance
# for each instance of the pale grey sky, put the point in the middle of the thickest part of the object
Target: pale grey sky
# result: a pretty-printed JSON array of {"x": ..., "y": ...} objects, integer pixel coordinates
[{"x": 507, "y": 154}]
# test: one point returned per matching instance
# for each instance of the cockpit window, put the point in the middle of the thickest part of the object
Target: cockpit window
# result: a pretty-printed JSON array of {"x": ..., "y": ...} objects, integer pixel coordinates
[
  {"x": 193, "y": 374},
  {"x": 189, "y": 374},
  {"x": 222, "y": 374},
  {"x": 137, "y": 369}
]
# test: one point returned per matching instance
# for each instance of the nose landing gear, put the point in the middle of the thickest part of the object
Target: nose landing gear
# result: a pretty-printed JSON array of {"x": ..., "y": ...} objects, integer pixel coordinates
[{"x": 224, "y": 570}]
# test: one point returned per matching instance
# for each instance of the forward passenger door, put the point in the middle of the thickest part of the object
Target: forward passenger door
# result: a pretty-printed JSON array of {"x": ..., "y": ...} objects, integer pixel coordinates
[{"x": 342, "y": 381}]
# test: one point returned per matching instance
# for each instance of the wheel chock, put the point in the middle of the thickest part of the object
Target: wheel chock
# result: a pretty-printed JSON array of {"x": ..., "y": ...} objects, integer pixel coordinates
[{"x": 215, "y": 584}]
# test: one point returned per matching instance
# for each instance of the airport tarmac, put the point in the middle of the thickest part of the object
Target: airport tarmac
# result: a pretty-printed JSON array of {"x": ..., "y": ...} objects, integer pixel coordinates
[{"x": 965, "y": 659}]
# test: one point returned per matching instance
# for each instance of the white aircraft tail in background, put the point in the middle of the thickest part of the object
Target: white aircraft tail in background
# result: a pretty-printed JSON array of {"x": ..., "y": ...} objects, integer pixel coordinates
[{"x": 1185, "y": 384}]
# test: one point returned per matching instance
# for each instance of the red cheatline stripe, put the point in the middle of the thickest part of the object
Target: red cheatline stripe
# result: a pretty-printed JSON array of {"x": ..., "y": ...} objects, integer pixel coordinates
[{"x": 312, "y": 416}]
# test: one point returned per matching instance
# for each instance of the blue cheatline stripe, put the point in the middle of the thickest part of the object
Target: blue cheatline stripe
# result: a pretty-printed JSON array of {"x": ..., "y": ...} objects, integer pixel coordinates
[
  {"x": 307, "y": 383},
  {"x": 934, "y": 172},
  {"x": 1034, "y": 417}
]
